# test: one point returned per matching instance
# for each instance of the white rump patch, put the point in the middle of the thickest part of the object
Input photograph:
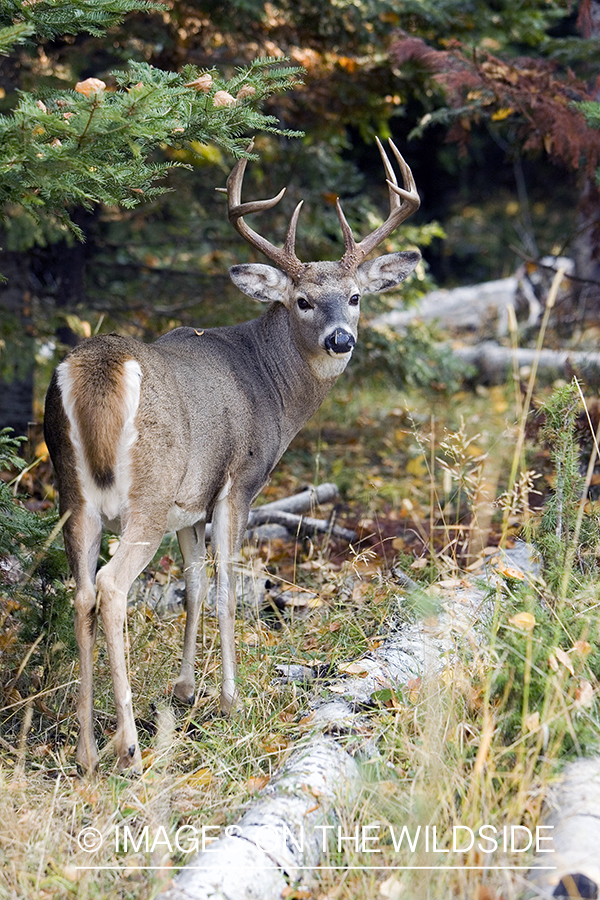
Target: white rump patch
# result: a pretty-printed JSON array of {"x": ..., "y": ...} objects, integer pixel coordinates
[{"x": 110, "y": 502}]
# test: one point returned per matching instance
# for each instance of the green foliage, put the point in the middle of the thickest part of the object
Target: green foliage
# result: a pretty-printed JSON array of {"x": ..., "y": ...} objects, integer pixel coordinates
[
  {"x": 540, "y": 667},
  {"x": 49, "y": 20},
  {"x": 414, "y": 358},
  {"x": 591, "y": 111},
  {"x": 65, "y": 148},
  {"x": 565, "y": 536},
  {"x": 33, "y": 566}
]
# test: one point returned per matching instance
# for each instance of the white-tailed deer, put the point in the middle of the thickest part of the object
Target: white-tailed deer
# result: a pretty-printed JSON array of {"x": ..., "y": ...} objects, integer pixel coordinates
[{"x": 167, "y": 436}]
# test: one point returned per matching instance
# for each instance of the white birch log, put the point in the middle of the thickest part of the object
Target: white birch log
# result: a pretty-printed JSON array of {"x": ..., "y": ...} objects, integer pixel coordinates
[
  {"x": 321, "y": 777},
  {"x": 572, "y": 812},
  {"x": 280, "y": 837}
]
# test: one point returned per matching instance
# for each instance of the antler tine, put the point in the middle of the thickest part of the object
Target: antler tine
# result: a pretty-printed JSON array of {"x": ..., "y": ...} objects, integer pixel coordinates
[
  {"x": 403, "y": 203},
  {"x": 284, "y": 257}
]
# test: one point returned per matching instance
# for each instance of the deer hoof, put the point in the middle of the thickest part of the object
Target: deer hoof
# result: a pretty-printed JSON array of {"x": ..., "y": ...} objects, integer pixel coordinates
[
  {"x": 130, "y": 763},
  {"x": 184, "y": 692},
  {"x": 87, "y": 759}
]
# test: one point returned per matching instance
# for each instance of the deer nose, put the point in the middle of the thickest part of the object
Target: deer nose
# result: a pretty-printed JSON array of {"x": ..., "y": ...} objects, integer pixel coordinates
[{"x": 339, "y": 341}]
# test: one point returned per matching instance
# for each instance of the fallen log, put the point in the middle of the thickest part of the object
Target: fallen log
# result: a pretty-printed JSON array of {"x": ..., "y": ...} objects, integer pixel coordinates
[
  {"x": 570, "y": 866},
  {"x": 321, "y": 780},
  {"x": 306, "y": 525},
  {"x": 280, "y": 836},
  {"x": 493, "y": 362}
]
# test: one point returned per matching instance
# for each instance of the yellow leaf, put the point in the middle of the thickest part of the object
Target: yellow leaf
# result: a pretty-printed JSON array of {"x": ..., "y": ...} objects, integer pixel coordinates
[
  {"x": 502, "y": 113},
  {"x": 564, "y": 658},
  {"x": 417, "y": 466},
  {"x": 509, "y": 571},
  {"x": 200, "y": 778},
  {"x": 257, "y": 783},
  {"x": 532, "y": 721},
  {"x": 354, "y": 668},
  {"x": 524, "y": 621}
]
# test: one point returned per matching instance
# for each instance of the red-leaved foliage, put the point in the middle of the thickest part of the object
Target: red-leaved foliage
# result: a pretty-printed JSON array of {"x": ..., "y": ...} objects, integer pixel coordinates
[{"x": 534, "y": 93}]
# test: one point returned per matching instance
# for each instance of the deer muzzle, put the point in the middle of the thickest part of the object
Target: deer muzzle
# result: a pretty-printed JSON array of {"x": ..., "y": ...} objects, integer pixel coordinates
[{"x": 339, "y": 341}]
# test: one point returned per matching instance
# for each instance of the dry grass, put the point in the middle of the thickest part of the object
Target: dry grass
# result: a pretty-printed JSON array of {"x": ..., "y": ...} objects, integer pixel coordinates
[{"x": 464, "y": 748}]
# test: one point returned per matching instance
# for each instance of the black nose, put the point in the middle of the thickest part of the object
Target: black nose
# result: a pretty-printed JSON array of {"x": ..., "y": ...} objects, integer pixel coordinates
[{"x": 339, "y": 341}]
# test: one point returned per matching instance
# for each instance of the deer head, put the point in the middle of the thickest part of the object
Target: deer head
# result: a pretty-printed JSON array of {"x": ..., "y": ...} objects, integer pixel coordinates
[{"x": 310, "y": 291}]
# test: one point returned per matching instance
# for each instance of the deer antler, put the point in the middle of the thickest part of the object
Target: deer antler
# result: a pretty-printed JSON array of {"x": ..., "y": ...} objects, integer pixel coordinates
[
  {"x": 285, "y": 257},
  {"x": 403, "y": 203}
]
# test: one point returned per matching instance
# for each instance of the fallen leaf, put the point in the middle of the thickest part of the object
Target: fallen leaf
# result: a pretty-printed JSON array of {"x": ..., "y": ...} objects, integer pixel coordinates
[
  {"x": 353, "y": 668},
  {"x": 72, "y": 873},
  {"x": 564, "y": 658},
  {"x": 510, "y": 572},
  {"x": 524, "y": 621},
  {"x": 584, "y": 694},
  {"x": 257, "y": 783},
  {"x": 391, "y": 889},
  {"x": 199, "y": 778},
  {"x": 532, "y": 721}
]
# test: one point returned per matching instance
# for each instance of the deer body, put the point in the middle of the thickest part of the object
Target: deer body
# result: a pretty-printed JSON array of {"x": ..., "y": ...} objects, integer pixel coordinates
[{"x": 168, "y": 436}]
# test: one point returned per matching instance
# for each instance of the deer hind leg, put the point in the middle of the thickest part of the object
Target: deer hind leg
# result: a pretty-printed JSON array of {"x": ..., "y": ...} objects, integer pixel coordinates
[
  {"x": 139, "y": 542},
  {"x": 229, "y": 523},
  {"x": 82, "y": 534},
  {"x": 193, "y": 549}
]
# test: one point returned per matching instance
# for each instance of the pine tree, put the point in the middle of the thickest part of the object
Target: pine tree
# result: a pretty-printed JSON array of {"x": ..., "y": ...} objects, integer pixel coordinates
[
  {"x": 101, "y": 142},
  {"x": 95, "y": 142}
]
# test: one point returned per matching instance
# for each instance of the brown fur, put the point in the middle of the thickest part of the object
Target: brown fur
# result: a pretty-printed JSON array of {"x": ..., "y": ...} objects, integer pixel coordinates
[{"x": 99, "y": 393}]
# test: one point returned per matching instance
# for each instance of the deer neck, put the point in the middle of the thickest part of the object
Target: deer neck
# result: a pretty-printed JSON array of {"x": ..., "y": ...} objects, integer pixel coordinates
[{"x": 301, "y": 385}]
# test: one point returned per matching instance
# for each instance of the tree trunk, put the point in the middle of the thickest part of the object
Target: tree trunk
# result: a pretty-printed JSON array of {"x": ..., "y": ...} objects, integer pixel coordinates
[
  {"x": 17, "y": 360},
  {"x": 586, "y": 247}
]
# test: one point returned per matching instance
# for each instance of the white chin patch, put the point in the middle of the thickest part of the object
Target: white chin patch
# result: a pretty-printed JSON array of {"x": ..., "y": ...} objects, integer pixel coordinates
[{"x": 335, "y": 355}]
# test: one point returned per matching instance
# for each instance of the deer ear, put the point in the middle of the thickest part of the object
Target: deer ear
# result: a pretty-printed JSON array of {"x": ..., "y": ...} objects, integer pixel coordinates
[
  {"x": 264, "y": 283},
  {"x": 386, "y": 272}
]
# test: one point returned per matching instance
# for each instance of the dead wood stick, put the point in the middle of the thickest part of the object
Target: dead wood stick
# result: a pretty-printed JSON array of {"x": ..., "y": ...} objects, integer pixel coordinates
[
  {"x": 306, "y": 525},
  {"x": 297, "y": 503},
  {"x": 287, "y": 510}
]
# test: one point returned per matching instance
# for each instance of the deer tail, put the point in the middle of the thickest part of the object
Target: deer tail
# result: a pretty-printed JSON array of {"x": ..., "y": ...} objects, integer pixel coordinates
[{"x": 100, "y": 395}]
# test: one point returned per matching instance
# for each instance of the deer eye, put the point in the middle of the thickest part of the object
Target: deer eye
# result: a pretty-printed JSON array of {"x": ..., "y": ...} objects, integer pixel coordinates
[
  {"x": 303, "y": 303},
  {"x": 353, "y": 301}
]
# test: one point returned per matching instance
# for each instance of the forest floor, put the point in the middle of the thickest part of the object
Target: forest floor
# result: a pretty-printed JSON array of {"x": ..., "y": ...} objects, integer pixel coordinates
[{"x": 431, "y": 485}]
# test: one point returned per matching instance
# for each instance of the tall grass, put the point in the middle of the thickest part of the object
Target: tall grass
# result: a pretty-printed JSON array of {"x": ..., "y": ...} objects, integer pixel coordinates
[{"x": 471, "y": 745}]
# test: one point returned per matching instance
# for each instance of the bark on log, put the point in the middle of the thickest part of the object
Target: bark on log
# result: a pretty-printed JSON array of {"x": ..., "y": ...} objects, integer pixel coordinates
[
  {"x": 493, "y": 362},
  {"x": 247, "y": 865},
  {"x": 318, "y": 777},
  {"x": 573, "y": 813},
  {"x": 279, "y": 837}
]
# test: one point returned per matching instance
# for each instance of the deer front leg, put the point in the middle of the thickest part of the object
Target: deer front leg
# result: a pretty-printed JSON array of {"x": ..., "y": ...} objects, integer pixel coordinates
[
  {"x": 229, "y": 523},
  {"x": 193, "y": 549},
  {"x": 140, "y": 541}
]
